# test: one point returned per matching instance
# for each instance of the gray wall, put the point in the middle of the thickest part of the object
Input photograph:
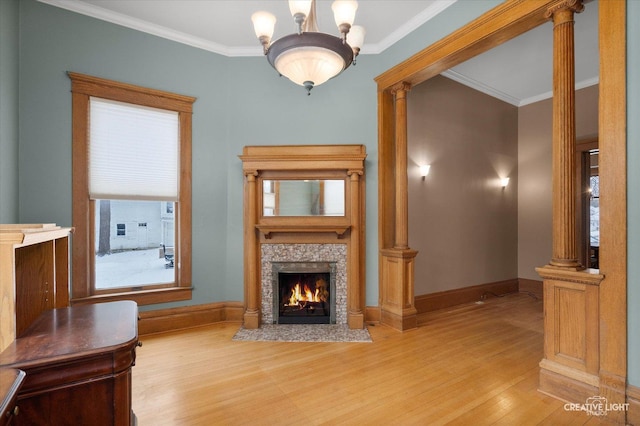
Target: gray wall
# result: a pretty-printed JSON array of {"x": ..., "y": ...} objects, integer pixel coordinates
[
  {"x": 633, "y": 191},
  {"x": 462, "y": 222},
  {"x": 240, "y": 102},
  {"x": 9, "y": 111},
  {"x": 534, "y": 175}
]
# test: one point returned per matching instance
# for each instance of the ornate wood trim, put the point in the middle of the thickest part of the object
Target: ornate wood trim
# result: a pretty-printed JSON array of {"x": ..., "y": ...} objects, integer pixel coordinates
[
  {"x": 504, "y": 22},
  {"x": 305, "y": 162}
]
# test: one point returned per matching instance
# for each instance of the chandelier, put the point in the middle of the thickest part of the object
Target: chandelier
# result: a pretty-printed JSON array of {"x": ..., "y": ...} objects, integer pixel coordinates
[{"x": 309, "y": 57}]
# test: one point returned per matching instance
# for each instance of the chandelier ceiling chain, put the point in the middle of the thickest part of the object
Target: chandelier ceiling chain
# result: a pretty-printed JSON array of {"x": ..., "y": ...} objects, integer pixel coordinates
[{"x": 309, "y": 57}]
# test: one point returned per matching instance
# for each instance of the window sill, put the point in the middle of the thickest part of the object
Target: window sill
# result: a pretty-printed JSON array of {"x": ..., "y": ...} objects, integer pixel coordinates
[{"x": 143, "y": 297}]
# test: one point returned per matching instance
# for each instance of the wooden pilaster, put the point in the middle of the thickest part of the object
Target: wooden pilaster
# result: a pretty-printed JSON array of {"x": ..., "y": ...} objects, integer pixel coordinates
[
  {"x": 402, "y": 195},
  {"x": 355, "y": 316},
  {"x": 252, "y": 310}
]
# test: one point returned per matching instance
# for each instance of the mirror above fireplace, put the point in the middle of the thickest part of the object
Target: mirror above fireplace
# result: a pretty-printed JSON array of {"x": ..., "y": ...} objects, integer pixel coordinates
[{"x": 303, "y": 197}]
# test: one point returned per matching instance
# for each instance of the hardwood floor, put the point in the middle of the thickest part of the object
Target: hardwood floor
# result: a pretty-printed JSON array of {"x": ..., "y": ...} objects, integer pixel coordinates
[{"x": 474, "y": 364}]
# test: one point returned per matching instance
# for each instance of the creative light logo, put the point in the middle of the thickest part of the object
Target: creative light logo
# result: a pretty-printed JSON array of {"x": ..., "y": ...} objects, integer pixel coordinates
[{"x": 596, "y": 406}]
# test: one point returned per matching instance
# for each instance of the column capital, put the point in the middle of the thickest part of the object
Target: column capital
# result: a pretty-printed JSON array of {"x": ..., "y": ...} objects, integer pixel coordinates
[
  {"x": 355, "y": 173},
  {"x": 400, "y": 88},
  {"x": 251, "y": 174},
  {"x": 574, "y": 6}
]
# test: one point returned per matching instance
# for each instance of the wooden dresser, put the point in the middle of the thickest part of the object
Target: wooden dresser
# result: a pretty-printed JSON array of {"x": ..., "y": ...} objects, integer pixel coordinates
[
  {"x": 72, "y": 365},
  {"x": 78, "y": 363}
]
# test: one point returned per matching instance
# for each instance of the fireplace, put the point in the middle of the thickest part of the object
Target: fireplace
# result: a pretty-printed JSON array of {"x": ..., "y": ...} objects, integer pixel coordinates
[
  {"x": 304, "y": 292},
  {"x": 304, "y": 204}
]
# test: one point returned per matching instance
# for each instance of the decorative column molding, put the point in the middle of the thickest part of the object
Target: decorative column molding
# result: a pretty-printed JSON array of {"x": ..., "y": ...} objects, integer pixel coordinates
[
  {"x": 397, "y": 263},
  {"x": 355, "y": 316},
  {"x": 571, "y": 363},
  {"x": 402, "y": 203},
  {"x": 564, "y": 253},
  {"x": 252, "y": 309}
]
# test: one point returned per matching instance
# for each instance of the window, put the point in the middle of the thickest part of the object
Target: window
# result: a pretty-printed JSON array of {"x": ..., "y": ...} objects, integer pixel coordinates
[{"x": 131, "y": 192}]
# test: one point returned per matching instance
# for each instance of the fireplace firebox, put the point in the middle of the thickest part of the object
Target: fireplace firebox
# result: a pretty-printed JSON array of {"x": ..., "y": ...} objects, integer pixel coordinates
[{"x": 304, "y": 293}]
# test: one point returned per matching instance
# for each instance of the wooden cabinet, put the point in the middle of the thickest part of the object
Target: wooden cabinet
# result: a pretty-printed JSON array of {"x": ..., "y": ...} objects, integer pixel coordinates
[
  {"x": 34, "y": 275},
  {"x": 78, "y": 363}
]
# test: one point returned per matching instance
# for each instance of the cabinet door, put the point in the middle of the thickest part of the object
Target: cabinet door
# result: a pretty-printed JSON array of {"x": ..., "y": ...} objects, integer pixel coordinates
[
  {"x": 35, "y": 283},
  {"x": 85, "y": 404}
]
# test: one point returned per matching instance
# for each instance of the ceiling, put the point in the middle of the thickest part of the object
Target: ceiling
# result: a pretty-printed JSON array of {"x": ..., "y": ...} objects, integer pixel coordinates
[{"x": 519, "y": 71}]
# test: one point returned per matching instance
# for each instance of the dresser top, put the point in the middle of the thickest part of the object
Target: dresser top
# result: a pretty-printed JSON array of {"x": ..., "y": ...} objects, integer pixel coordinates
[{"x": 77, "y": 331}]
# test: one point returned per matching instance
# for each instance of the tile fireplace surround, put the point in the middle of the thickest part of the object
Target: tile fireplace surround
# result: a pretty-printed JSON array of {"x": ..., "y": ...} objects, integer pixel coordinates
[
  {"x": 271, "y": 236},
  {"x": 304, "y": 253}
]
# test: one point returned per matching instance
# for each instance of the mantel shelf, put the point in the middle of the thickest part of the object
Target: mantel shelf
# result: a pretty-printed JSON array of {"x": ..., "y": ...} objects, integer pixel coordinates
[{"x": 267, "y": 230}]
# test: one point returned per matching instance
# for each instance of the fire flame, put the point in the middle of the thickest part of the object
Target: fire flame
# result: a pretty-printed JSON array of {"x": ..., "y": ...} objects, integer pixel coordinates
[{"x": 298, "y": 295}]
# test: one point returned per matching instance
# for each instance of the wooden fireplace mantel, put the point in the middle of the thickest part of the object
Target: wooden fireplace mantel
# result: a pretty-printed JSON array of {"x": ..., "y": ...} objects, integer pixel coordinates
[{"x": 302, "y": 162}]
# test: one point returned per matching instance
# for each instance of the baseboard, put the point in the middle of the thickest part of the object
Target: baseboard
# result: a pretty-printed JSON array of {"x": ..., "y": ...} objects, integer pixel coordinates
[
  {"x": 445, "y": 299},
  {"x": 534, "y": 287},
  {"x": 372, "y": 314},
  {"x": 633, "y": 398},
  {"x": 163, "y": 320},
  {"x": 565, "y": 388}
]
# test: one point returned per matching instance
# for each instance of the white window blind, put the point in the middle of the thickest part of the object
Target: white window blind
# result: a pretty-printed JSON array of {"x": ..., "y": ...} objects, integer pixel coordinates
[{"x": 133, "y": 152}]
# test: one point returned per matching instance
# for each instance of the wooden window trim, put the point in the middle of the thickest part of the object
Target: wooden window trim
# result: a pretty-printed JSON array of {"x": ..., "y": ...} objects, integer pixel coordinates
[{"x": 82, "y": 88}]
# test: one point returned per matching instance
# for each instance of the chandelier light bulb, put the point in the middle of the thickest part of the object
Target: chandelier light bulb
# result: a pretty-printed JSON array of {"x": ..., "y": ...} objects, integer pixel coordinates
[
  {"x": 264, "y": 24},
  {"x": 344, "y": 11},
  {"x": 355, "y": 38},
  {"x": 299, "y": 6}
]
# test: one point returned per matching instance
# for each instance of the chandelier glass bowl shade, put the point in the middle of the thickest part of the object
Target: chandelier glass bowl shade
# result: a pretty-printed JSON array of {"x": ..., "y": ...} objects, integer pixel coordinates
[{"x": 309, "y": 57}]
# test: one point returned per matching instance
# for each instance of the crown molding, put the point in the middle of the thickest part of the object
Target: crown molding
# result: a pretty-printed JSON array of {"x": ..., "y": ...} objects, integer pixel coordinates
[
  {"x": 160, "y": 31},
  {"x": 139, "y": 25},
  {"x": 480, "y": 87},
  {"x": 430, "y": 12},
  {"x": 547, "y": 95}
]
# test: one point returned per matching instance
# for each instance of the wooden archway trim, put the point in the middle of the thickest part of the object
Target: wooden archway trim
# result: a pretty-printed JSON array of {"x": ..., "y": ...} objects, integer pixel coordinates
[{"x": 504, "y": 22}]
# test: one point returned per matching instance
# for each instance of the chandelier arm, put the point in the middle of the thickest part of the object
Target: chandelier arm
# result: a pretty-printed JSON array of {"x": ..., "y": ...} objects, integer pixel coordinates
[{"x": 311, "y": 23}]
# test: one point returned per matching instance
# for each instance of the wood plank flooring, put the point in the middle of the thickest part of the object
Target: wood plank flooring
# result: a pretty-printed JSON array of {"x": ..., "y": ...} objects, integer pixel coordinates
[{"x": 474, "y": 364}]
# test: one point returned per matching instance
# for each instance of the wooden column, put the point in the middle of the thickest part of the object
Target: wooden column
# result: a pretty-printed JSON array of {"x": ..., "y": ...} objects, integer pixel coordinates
[
  {"x": 355, "y": 316},
  {"x": 569, "y": 369},
  {"x": 402, "y": 195},
  {"x": 564, "y": 253},
  {"x": 252, "y": 309},
  {"x": 397, "y": 280}
]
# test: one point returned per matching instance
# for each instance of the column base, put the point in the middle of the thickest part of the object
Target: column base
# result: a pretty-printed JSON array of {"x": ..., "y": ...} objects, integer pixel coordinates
[
  {"x": 251, "y": 320},
  {"x": 397, "y": 295},
  {"x": 355, "y": 321},
  {"x": 407, "y": 321}
]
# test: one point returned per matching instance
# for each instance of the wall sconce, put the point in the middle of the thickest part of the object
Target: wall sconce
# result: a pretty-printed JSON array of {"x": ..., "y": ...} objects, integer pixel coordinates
[
  {"x": 424, "y": 170},
  {"x": 504, "y": 182}
]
